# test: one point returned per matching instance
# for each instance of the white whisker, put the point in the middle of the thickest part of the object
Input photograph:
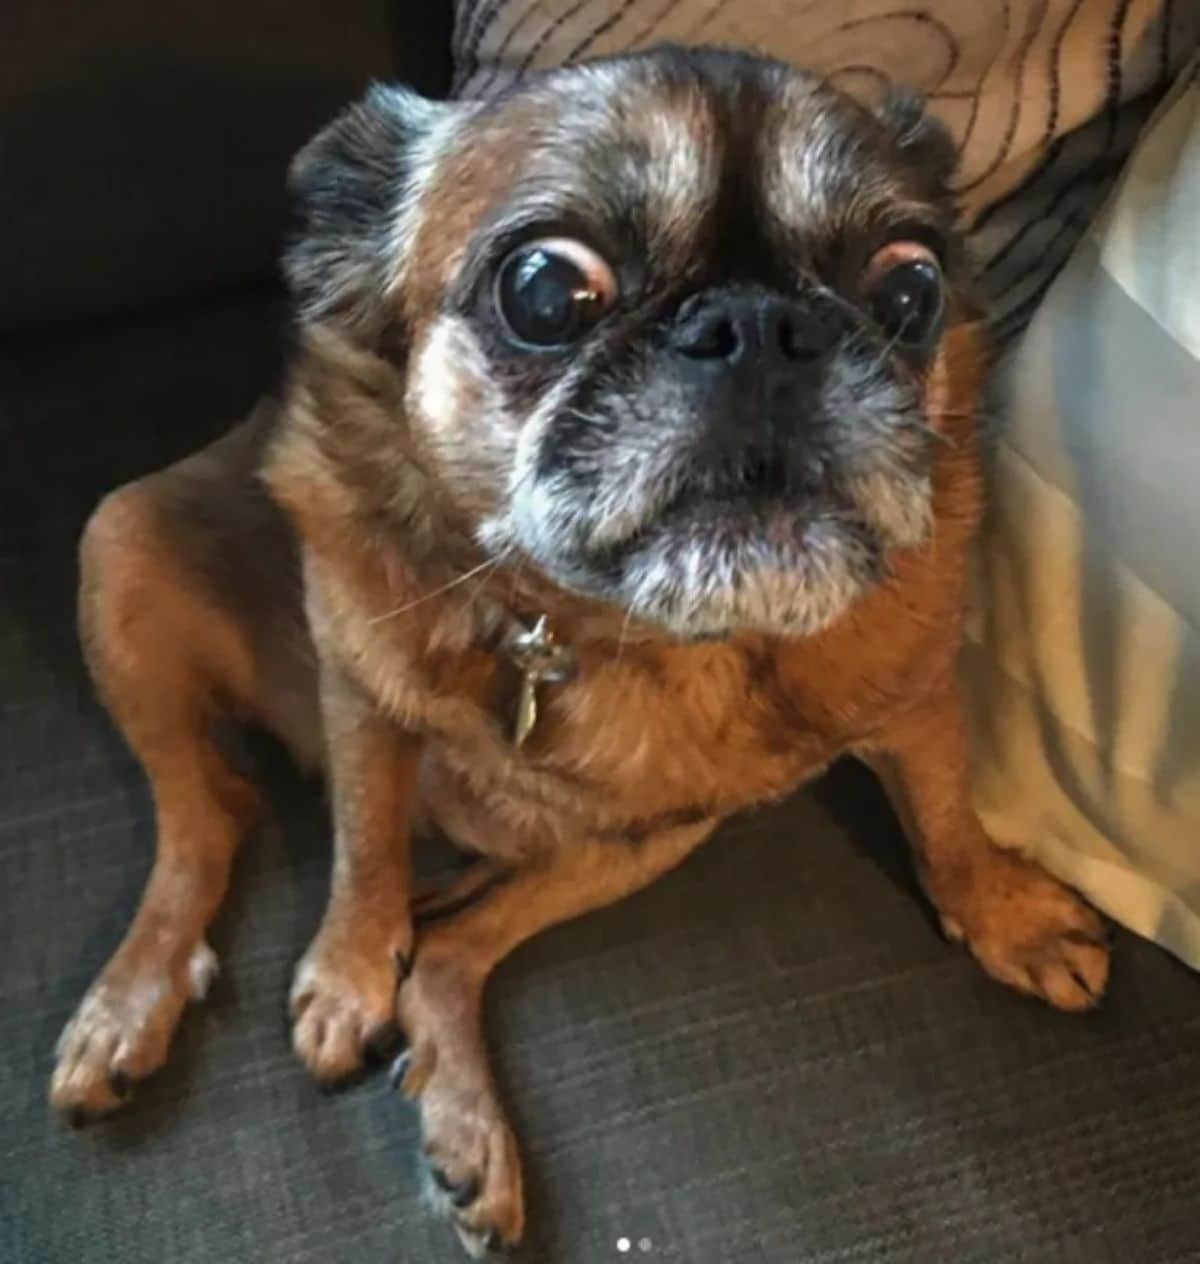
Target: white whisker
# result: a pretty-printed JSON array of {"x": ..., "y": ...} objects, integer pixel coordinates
[
  {"x": 492, "y": 563},
  {"x": 625, "y": 625}
]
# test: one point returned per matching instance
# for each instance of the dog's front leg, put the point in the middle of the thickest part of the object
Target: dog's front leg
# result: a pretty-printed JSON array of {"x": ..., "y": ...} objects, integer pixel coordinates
[
  {"x": 343, "y": 1000},
  {"x": 468, "y": 1143},
  {"x": 1025, "y": 928}
]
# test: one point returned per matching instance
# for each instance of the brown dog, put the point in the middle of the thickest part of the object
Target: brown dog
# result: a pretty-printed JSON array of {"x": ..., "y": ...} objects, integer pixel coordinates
[{"x": 624, "y": 477}]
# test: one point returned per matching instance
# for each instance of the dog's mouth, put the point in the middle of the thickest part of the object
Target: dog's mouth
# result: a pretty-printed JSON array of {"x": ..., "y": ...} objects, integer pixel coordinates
[
  {"x": 755, "y": 502},
  {"x": 761, "y": 539},
  {"x": 753, "y": 553},
  {"x": 757, "y": 476}
]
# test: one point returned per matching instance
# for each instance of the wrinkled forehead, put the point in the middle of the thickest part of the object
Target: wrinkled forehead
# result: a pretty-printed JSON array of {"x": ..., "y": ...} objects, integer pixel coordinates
[
  {"x": 626, "y": 148},
  {"x": 664, "y": 159}
]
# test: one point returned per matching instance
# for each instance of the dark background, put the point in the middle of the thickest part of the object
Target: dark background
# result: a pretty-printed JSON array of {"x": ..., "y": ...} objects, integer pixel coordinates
[{"x": 143, "y": 143}]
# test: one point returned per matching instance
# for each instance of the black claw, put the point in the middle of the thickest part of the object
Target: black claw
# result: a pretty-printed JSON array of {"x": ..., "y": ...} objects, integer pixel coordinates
[
  {"x": 404, "y": 965},
  {"x": 461, "y": 1193},
  {"x": 1083, "y": 984},
  {"x": 465, "y": 1194},
  {"x": 494, "y": 1244},
  {"x": 118, "y": 1081},
  {"x": 77, "y": 1117},
  {"x": 399, "y": 1068},
  {"x": 382, "y": 1042},
  {"x": 1103, "y": 940}
]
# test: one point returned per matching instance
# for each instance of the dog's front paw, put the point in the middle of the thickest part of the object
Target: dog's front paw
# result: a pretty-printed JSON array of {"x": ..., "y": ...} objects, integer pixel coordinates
[
  {"x": 122, "y": 1029},
  {"x": 1029, "y": 931},
  {"x": 343, "y": 998},
  {"x": 473, "y": 1164}
]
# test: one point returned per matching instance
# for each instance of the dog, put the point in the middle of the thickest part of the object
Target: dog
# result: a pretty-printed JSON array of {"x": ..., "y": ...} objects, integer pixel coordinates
[{"x": 624, "y": 476}]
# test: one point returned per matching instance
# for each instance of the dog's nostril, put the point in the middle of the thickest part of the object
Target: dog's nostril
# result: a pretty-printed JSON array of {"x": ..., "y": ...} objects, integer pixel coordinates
[
  {"x": 770, "y": 330},
  {"x": 711, "y": 340}
]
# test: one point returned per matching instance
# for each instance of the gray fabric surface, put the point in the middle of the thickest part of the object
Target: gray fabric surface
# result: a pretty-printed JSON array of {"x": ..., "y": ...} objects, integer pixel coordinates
[{"x": 768, "y": 1058}]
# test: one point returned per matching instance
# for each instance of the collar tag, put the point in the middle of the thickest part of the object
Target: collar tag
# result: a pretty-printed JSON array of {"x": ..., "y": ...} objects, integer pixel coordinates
[{"x": 541, "y": 660}]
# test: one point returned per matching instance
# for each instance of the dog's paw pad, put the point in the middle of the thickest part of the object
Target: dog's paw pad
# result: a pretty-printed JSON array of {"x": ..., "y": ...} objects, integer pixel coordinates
[
  {"x": 1030, "y": 931},
  {"x": 119, "y": 1034},
  {"x": 474, "y": 1173},
  {"x": 473, "y": 1166},
  {"x": 343, "y": 1013}
]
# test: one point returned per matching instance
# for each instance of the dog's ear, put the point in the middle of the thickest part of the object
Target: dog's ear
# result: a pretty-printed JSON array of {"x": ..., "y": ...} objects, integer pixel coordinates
[
  {"x": 353, "y": 188},
  {"x": 924, "y": 140}
]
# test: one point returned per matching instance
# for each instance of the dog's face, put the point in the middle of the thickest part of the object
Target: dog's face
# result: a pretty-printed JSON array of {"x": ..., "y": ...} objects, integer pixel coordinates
[{"x": 665, "y": 325}]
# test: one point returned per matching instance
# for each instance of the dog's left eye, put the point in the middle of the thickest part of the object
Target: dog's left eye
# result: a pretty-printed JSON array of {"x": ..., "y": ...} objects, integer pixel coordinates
[
  {"x": 551, "y": 292},
  {"x": 904, "y": 293}
]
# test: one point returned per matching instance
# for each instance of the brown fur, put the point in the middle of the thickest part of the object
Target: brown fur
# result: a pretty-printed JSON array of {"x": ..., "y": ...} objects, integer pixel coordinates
[{"x": 335, "y": 611}]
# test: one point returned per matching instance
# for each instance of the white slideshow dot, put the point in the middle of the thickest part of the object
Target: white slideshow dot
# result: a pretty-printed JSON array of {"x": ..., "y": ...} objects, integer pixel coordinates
[
  {"x": 644, "y": 1245},
  {"x": 623, "y": 1245}
]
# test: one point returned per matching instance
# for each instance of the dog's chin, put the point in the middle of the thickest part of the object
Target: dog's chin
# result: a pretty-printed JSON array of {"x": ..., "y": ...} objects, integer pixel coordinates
[{"x": 712, "y": 568}]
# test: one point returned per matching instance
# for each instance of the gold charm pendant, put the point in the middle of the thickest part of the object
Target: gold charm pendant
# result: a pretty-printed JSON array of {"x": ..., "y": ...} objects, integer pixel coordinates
[{"x": 541, "y": 661}]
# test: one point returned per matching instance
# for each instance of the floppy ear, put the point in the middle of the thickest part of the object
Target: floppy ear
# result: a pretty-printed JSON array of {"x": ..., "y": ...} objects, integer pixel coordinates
[
  {"x": 920, "y": 137},
  {"x": 353, "y": 188}
]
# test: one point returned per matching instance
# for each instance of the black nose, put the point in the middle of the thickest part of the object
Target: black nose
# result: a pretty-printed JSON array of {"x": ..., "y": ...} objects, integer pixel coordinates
[{"x": 748, "y": 328}]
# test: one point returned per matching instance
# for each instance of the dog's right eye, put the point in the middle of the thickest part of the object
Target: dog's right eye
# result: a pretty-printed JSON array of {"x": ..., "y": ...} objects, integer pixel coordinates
[{"x": 549, "y": 293}]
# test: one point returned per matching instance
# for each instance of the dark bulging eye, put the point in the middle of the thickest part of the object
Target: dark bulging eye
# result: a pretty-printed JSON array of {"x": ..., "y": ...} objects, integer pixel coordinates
[
  {"x": 550, "y": 293},
  {"x": 905, "y": 294}
]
